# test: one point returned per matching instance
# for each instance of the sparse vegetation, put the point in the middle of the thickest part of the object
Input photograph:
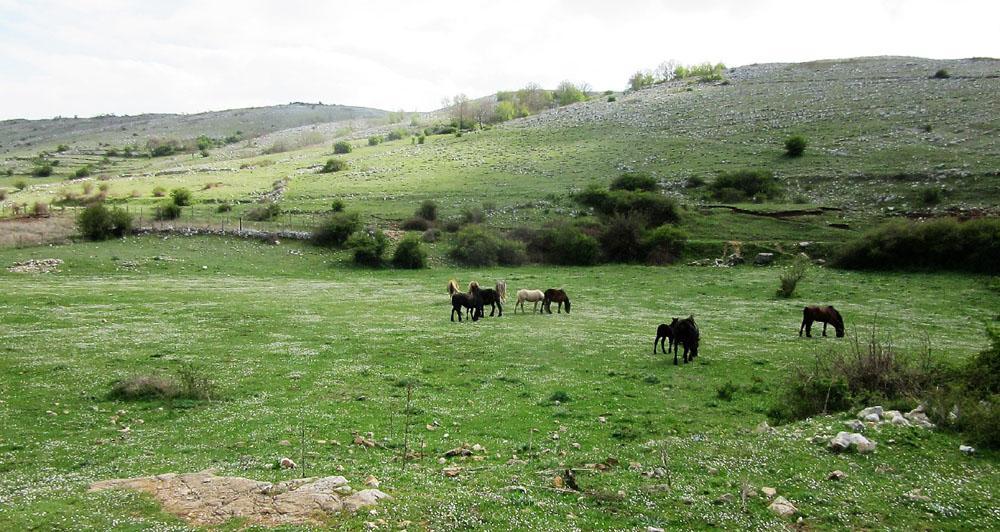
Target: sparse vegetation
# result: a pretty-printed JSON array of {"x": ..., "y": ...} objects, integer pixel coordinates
[
  {"x": 264, "y": 212},
  {"x": 181, "y": 197},
  {"x": 97, "y": 222},
  {"x": 791, "y": 276},
  {"x": 333, "y": 165},
  {"x": 336, "y": 229},
  {"x": 795, "y": 146},
  {"x": 342, "y": 147},
  {"x": 409, "y": 254},
  {"x": 743, "y": 185},
  {"x": 368, "y": 248},
  {"x": 188, "y": 383}
]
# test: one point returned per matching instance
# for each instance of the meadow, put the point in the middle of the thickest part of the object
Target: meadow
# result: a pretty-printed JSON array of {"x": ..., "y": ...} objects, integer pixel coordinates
[{"x": 304, "y": 351}]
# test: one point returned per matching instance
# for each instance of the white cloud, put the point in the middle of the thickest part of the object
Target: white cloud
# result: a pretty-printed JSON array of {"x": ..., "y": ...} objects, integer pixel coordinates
[{"x": 65, "y": 57}]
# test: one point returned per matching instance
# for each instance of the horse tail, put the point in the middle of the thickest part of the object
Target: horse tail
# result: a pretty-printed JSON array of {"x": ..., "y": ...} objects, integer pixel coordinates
[
  {"x": 502, "y": 290},
  {"x": 453, "y": 287}
]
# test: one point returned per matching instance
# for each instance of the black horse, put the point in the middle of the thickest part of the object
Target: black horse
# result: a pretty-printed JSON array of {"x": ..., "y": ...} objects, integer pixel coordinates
[
  {"x": 663, "y": 333},
  {"x": 827, "y": 315},
  {"x": 686, "y": 332},
  {"x": 559, "y": 297},
  {"x": 472, "y": 300},
  {"x": 492, "y": 298}
]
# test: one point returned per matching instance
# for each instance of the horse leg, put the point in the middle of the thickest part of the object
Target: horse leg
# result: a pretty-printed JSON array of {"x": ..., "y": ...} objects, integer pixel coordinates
[
  {"x": 675, "y": 357},
  {"x": 824, "y": 328},
  {"x": 686, "y": 359},
  {"x": 809, "y": 325},
  {"x": 656, "y": 341},
  {"x": 559, "y": 307},
  {"x": 500, "y": 309},
  {"x": 803, "y": 326}
]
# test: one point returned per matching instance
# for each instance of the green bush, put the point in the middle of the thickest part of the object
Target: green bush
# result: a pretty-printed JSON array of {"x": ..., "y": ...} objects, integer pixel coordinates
[
  {"x": 97, "y": 222},
  {"x": 335, "y": 230},
  {"x": 342, "y": 147},
  {"x": 612, "y": 99},
  {"x": 42, "y": 170},
  {"x": 795, "y": 146},
  {"x": 428, "y": 210},
  {"x": 374, "y": 140},
  {"x": 745, "y": 184},
  {"x": 368, "y": 248},
  {"x": 431, "y": 235},
  {"x": 942, "y": 74},
  {"x": 664, "y": 244},
  {"x": 416, "y": 224},
  {"x": 940, "y": 244},
  {"x": 474, "y": 245},
  {"x": 83, "y": 171},
  {"x": 264, "y": 212},
  {"x": 20, "y": 184},
  {"x": 224, "y": 207},
  {"x": 565, "y": 244},
  {"x": 337, "y": 205},
  {"x": 167, "y": 211},
  {"x": 397, "y": 134},
  {"x": 790, "y": 277},
  {"x": 634, "y": 181},
  {"x": 181, "y": 197},
  {"x": 159, "y": 192},
  {"x": 421, "y": 139},
  {"x": 473, "y": 215},
  {"x": 333, "y": 165},
  {"x": 511, "y": 252},
  {"x": 656, "y": 208},
  {"x": 930, "y": 196},
  {"x": 621, "y": 239},
  {"x": 409, "y": 254},
  {"x": 188, "y": 384}
]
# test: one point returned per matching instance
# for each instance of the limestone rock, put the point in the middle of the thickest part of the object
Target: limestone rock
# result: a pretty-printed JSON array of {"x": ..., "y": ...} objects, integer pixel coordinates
[
  {"x": 844, "y": 441},
  {"x": 867, "y": 413},
  {"x": 836, "y": 475},
  {"x": 782, "y": 507},
  {"x": 769, "y": 492},
  {"x": 763, "y": 259}
]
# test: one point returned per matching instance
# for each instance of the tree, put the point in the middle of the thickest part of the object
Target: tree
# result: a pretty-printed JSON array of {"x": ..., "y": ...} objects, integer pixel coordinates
[
  {"x": 484, "y": 111},
  {"x": 460, "y": 109},
  {"x": 641, "y": 79},
  {"x": 567, "y": 93},
  {"x": 534, "y": 98},
  {"x": 667, "y": 70}
]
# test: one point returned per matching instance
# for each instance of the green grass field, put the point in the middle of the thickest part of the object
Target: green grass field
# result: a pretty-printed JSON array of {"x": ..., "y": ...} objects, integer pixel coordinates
[{"x": 295, "y": 340}]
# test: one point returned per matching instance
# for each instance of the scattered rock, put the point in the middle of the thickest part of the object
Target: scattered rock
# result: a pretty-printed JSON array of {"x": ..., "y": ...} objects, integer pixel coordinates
[
  {"x": 763, "y": 259},
  {"x": 967, "y": 449},
  {"x": 205, "y": 499},
  {"x": 872, "y": 413},
  {"x": 763, "y": 428},
  {"x": 918, "y": 418},
  {"x": 653, "y": 529},
  {"x": 558, "y": 482},
  {"x": 287, "y": 463},
  {"x": 451, "y": 472},
  {"x": 458, "y": 451},
  {"x": 687, "y": 499},
  {"x": 844, "y": 441},
  {"x": 602, "y": 419},
  {"x": 917, "y": 494},
  {"x": 725, "y": 498},
  {"x": 782, "y": 507},
  {"x": 769, "y": 492},
  {"x": 36, "y": 266},
  {"x": 371, "y": 481},
  {"x": 855, "y": 426},
  {"x": 836, "y": 475}
]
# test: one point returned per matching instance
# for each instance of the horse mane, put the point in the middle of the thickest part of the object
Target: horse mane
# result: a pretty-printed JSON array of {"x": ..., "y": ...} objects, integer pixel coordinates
[
  {"x": 453, "y": 287},
  {"x": 473, "y": 286},
  {"x": 501, "y": 288}
]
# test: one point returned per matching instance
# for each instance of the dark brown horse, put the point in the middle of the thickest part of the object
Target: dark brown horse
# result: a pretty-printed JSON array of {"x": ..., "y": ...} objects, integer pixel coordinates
[
  {"x": 559, "y": 297},
  {"x": 686, "y": 334},
  {"x": 827, "y": 315},
  {"x": 472, "y": 300},
  {"x": 663, "y": 333}
]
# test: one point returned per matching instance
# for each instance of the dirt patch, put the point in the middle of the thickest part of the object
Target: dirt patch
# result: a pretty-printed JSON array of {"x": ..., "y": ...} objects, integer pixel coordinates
[
  {"x": 205, "y": 499},
  {"x": 36, "y": 266}
]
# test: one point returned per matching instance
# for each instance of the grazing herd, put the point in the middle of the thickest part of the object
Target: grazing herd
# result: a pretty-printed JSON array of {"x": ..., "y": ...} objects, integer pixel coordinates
[{"x": 669, "y": 336}]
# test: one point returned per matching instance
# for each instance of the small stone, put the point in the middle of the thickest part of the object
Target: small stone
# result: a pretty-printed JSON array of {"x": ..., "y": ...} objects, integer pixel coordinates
[
  {"x": 653, "y": 529},
  {"x": 782, "y": 507},
  {"x": 284, "y": 442},
  {"x": 687, "y": 499},
  {"x": 966, "y": 449},
  {"x": 844, "y": 441},
  {"x": 917, "y": 494},
  {"x": 763, "y": 428},
  {"x": 575, "y": 445},
  {"x": 344, "y": 490},
  {"x": 558, "y": 482},
  {"x": 478, "y": 448},
  {"x": 713, "y": 471},
  {"x": 602, "y": 419},
  {"x": 866, "y": 413},
  {"x": 836, "y": 475},
  {"x": 769, "y": 492},
  {"x": 287, "y": 463},
  {"x": 371, "y": 481},
  {"x": 725, "y": 498},
  {"x": 855, "y": 426},
  {"x": 451, "y": 472}
]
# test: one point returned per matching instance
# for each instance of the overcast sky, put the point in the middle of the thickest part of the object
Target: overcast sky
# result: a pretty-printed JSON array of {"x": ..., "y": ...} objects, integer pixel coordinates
[{"x": 88, "y": 57}]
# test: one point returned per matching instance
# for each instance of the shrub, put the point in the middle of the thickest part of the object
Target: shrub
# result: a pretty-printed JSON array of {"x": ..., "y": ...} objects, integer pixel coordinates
[
  {"x": 745, "y": 184},
  {"x": 428, "y": 210},
  {"x": 790, "y": 277},
  {"x": 940, "y": 244},
  {"x": 61, "y": 148},
  {"x": 656, "y": 208},
  {"x": 431, "y": 235},
  {"x": 83, "y": 171},
  {"x": 40, "y": 209},
  {"x": 333, "y": 165},
  {"x": 416, "y": 224},
  {"x": 634, "y": 181},
  {"x": 930, "y": 196},
  {"x": 664, "y": 244},
  {"x": 612, "y": 99},
  {"x": 566, "y": 244},
  {"x": 188, "y": 384},
  {"x": 368, "y": 247},
  {"x": 621, "y": 239},
  {"x": 3, "y": 194},
  {"x": 795, "y": 146},
  {"x": 475, "y": 246},
  {"x": 97, "y": 222},
  {"x": 158, "y": 192},
  {"x": 20, "y": 184},
  {"x": 224, "y": 207},
  {"x": 942, "y": 74},
  {"x": 335, "y": 230},
  {"x": 181, "y": 197},
  {"x": 168, "y": 211},
  {"x": 511, "y": 252},
  {"x": 726, "y": 391},
  {"x": 473, "y": 215},
  {"x": 421, "y": 138},
  {"x": 264, "y": 212},
  {"x": 559, "y": 396},
  {"x": 42, "y": 170},
  {"x": 342, "y": 147},
  {"x": 694, "y": 182},
  {"x": 374, "y": 140},
  {"x": 409, "y": 254},
  {"x": 397, "y": 134},
  {"x": 982, "y": 374},
  {"x": 337, "y": 205}
]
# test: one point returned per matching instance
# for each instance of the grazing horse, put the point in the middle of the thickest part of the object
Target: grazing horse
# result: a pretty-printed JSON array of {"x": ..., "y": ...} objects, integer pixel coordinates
[
  {"x": 559, "y": 297},
  {"x": 827, "y": 315},
  {"x": 472, "y": 300},
  {"x": 532, "y": 296},
  {"x": 686, "y": 332},
  {"x": 663, "y": 333}
]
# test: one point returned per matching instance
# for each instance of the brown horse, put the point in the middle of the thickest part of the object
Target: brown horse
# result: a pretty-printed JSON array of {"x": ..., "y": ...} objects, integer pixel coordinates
[
  {"x": 559, "y": 297},
  {"x": 686, "y": 333},
  {"x": 827, "y": 315},
  {"x": 472, "y": 301}
]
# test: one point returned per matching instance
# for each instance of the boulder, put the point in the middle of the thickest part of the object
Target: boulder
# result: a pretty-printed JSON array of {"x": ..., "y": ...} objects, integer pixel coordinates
[
  {"x": 855, "y": 426},
  {"x": 769, "y": 492},
  {"x": 966, "y": 449},
  {"x": 845, "y": 441},
  {"x": 867, "y": 413},
  {"x": 782, "y": 507},
  {"x": 918, "y": 418},
  {"x": 836, "y": 475},
  {"x": 763, "y": 259}
]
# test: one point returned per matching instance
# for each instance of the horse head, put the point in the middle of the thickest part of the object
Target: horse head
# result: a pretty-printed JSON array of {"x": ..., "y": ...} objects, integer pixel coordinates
[
  {"x": 566, "y": 303},
  {"x": 837, "y": 321}
]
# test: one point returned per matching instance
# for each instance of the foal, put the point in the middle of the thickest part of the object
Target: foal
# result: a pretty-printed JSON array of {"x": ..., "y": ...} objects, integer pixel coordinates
[{"x": 663, "y": 333}]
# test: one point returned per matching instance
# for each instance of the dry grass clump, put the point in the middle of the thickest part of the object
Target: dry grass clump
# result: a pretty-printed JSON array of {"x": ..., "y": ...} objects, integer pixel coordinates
[{"x": 187, "y": 384}]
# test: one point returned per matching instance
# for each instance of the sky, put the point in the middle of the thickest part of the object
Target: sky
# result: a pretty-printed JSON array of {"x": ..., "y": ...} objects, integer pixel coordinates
[{"x": 90, "y": 57}]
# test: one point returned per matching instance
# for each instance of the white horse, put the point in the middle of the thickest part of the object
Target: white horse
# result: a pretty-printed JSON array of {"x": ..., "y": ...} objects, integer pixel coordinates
[{"x": 533, "y": 296}]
